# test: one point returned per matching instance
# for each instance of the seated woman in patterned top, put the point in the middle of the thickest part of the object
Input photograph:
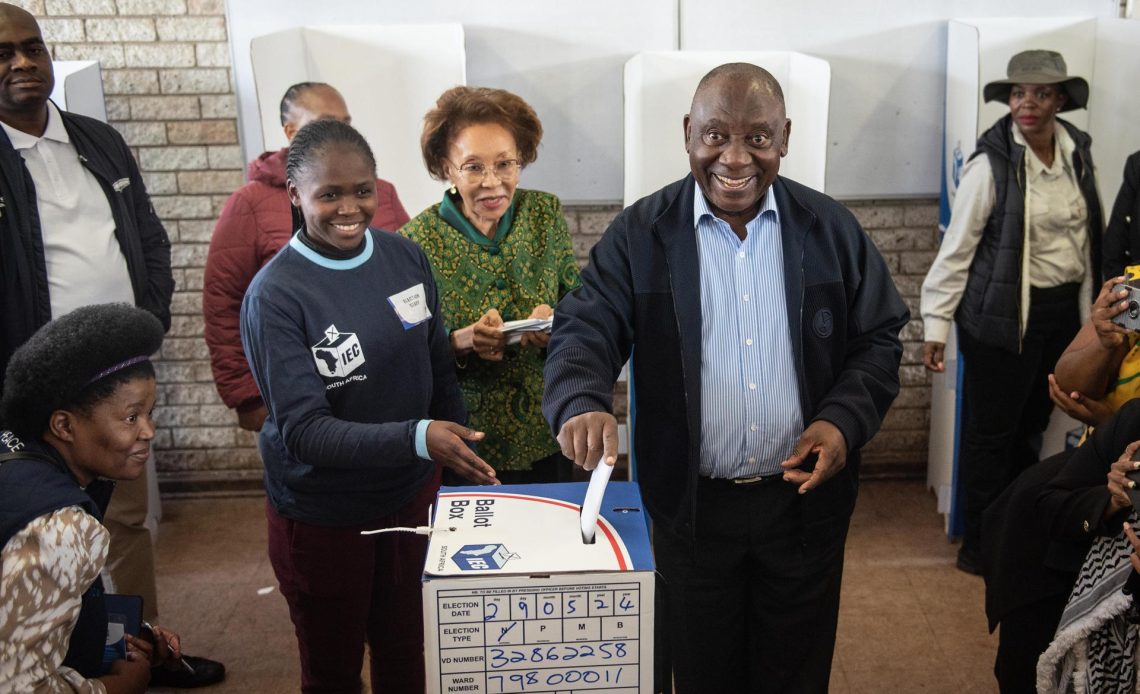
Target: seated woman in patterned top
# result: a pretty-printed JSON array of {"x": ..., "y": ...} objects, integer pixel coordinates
[
  {"x": 498, "y": 253},
  {"x": 76, "y": 411}
]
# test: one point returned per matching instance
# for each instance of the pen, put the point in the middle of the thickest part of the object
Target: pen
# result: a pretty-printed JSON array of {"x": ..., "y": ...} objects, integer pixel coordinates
[{"x": 189, "y": 668}]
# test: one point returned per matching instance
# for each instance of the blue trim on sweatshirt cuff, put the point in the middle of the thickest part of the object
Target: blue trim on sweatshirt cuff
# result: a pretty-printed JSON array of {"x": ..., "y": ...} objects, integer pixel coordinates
[
  {"x": 355, "y": 262},
  {"x": 421, "y": 438}
]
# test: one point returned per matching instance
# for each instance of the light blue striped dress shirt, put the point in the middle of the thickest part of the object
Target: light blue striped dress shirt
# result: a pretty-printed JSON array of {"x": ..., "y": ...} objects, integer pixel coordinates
[{"x": 750, "y": 407}]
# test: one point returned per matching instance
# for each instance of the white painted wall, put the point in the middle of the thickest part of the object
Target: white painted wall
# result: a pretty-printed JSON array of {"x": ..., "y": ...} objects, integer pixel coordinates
[
  {"x": 408, "y": 67},
  {"x": 888, "y": 71},
  {"x": 564, "y": 58}
]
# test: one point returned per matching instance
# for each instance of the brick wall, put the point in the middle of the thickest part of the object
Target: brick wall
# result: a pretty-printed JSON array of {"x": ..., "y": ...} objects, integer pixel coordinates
[
  {"x": 907, "y": 235},
  {"x": 169, "y": 91}
]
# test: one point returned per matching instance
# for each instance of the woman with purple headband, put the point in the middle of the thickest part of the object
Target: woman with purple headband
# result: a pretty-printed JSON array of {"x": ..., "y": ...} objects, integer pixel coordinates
[{"x": 75, "y": 413}]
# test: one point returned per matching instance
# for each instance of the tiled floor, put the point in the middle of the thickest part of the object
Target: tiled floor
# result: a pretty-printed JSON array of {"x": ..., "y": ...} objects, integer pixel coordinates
[{"x": 909, "y": 621}]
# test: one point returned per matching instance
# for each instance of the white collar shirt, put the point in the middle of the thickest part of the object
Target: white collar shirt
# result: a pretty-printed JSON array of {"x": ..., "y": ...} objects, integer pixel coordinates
[
  {"x": 750, "y": 405},
  {"x": 85, "y": 264},
  {"x": 1056, "y": 213}
]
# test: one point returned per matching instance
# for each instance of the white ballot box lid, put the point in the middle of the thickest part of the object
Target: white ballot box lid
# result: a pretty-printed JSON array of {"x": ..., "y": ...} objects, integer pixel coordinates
[{"x": 535, "y": 529}]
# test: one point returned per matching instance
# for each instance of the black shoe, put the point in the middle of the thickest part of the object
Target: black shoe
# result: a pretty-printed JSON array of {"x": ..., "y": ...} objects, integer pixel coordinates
[
  {"x": 175, "y": 674},
  {"x": 969, "y": 561}
]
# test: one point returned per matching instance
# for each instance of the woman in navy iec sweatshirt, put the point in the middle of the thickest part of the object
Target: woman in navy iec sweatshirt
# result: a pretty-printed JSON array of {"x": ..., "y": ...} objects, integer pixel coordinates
[{"x": 343, "y": 335}]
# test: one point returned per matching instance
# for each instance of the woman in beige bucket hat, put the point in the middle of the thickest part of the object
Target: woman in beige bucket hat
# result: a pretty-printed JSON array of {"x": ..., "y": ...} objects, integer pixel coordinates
[
  {"x": 1019, "y": 260},
  {"x": 1024, "y": 235}
]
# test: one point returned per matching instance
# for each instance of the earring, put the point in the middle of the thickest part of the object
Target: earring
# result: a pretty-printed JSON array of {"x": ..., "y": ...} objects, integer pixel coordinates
[{"x": 453, "y": 190}]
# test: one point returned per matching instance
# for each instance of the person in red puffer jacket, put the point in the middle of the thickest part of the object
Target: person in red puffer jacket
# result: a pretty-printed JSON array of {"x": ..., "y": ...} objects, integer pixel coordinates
[{"x": 255, "y": 223}]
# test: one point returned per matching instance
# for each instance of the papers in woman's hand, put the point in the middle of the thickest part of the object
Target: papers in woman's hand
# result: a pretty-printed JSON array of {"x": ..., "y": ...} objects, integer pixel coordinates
[
  {"x": 528, "y": 325},
  {"x": 515, "y": 328}
]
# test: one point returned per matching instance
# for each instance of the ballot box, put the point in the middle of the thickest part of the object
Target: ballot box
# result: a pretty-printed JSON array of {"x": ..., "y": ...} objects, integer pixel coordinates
[{"x": 516, "y": 601}]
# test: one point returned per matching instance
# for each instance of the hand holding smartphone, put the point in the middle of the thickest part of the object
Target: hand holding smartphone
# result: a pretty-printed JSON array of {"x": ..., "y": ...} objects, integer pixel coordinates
[{"x": 124, "y": 617}]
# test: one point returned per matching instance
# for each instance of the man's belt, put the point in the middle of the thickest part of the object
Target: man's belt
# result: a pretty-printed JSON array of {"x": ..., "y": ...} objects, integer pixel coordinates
[{"x": 744, "y": 481}]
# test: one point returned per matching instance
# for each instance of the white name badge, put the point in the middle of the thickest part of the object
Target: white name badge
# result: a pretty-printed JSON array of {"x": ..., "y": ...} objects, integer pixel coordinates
[{"x": 411, "y": 306}]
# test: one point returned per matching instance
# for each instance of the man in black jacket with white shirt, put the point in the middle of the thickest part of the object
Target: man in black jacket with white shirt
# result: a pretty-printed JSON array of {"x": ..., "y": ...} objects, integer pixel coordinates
[{"x": 33, "y": 258}]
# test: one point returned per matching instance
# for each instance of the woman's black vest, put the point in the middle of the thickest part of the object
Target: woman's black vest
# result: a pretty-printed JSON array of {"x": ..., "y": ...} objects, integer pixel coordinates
[
  {"x": 33, "y": 483},
  {"x": 990, "y": 309}
]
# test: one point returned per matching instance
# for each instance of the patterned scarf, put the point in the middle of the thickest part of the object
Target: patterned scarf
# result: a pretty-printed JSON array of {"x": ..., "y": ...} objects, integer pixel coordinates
[{"x": 1095, "y": 648}]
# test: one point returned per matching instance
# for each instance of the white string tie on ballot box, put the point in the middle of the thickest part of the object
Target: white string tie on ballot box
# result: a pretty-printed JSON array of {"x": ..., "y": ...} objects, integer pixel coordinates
[{"x": 591, "y": 508}]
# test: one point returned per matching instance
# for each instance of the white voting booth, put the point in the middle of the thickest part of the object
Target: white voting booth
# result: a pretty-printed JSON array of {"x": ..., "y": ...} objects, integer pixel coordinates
[
  {"x": 1115, "y": 103},
  {"x": 659, "y": 88},
  {"x": 1103, "y": 51},
  {"x": 390, "y": 77},
  {"x": 79, "y": 88},
  {"x": 516, "y": 601}
]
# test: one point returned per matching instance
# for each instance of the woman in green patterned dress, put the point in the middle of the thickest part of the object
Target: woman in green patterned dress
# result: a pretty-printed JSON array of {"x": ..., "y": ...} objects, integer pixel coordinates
[{"x": 499, "y": 253}]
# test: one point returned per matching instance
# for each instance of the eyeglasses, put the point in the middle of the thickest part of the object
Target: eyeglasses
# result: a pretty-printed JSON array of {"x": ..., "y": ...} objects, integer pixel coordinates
[{"x": 476, "y": 171}]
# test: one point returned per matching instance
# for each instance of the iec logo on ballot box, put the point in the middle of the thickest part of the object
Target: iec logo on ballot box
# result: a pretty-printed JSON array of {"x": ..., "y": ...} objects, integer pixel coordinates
[
  {"x": 516, "y": 601},
  {"x": 482, "y": 557}
]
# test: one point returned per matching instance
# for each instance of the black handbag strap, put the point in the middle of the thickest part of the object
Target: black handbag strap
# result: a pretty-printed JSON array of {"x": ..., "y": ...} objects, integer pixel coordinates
[{"x": 26, "y": 455}]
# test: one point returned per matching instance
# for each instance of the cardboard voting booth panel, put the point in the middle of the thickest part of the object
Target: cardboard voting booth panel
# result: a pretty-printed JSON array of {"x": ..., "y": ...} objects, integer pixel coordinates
[
  {"x": 389, "y": 75},
  {"x": 514, "y": 601},
  {"x": 887, "y": 60},
  {"x": 659, "y": 88},
  {"x": 978, "y": 51},
  {"x": 1114, "y": 103},
  {"x": 79, "y": 88}
]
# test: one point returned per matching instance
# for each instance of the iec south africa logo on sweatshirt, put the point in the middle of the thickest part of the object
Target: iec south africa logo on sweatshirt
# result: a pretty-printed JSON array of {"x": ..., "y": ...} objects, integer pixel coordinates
[{"x": 339, "y": 354}]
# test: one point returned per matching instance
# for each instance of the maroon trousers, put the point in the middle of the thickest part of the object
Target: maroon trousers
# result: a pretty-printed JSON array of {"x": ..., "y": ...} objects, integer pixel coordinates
[{"x": 345, "y": 589}]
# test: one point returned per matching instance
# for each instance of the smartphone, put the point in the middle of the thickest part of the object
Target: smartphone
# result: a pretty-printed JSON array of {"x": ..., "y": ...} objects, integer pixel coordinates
[{"x": 124, "y": 616}]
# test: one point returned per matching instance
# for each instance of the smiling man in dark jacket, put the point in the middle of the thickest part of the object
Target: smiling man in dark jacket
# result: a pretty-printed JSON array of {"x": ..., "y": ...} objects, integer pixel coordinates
[{"x": 763, "y": 326}]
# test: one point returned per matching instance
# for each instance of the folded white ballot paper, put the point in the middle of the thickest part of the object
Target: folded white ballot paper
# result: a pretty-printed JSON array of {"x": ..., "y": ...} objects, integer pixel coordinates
[
  {"x": 515, "y": 328},
  {"x": 592, "y": 505}
]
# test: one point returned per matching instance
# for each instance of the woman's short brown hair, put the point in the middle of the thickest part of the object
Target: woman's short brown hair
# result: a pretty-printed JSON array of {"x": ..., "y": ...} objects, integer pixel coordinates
[{"x": 460, "y": 107}]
